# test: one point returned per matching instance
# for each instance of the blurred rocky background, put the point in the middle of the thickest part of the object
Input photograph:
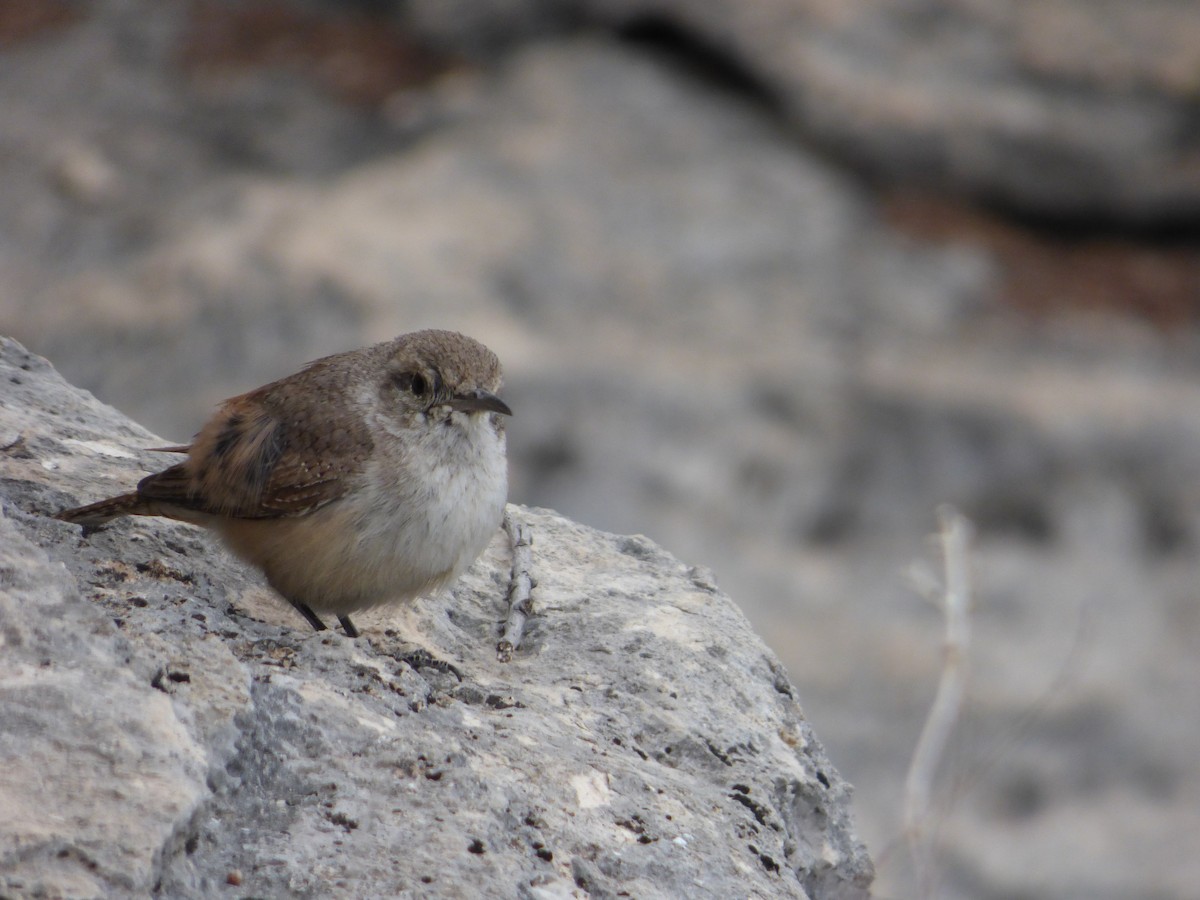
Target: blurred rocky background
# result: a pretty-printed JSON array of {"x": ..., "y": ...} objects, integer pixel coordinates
[{"x": 771, "y": 280}]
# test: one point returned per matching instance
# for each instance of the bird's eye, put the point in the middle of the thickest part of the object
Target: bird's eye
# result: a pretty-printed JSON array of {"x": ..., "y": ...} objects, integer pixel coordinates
[{"x": 415, "y": 383}]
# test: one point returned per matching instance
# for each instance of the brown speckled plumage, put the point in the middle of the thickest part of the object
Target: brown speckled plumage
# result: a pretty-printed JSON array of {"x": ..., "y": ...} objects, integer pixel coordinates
[{"x": 308, "y": 442}]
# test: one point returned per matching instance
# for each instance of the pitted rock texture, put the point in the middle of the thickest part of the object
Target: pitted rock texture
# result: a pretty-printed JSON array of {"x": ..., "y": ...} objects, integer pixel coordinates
[{"x": 172, "y": 728}]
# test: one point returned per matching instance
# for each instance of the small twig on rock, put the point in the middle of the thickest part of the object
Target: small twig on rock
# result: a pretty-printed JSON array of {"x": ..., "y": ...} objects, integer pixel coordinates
[
  {"x": 955, "y": 601},
  {"x": 520, "y": 588}
]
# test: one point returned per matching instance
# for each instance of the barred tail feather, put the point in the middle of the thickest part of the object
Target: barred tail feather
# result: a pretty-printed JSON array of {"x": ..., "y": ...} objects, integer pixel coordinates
[{"x": 95, "y": 514}]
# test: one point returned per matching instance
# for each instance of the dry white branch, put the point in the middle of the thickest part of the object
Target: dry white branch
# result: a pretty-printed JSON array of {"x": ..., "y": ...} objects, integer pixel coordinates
[
  {"x": 520, "y": 589},
  {"x": 954, "y": 536}
]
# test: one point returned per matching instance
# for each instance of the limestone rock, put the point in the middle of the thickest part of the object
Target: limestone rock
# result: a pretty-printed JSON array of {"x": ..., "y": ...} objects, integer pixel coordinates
[
  {"x": 171, "y": 727},
  {"x": 1070, "y": 108}
]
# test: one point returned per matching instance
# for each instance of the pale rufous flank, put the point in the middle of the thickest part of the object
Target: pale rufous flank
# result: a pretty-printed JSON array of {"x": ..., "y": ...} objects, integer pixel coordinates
[{"x": 368, "y": 477}]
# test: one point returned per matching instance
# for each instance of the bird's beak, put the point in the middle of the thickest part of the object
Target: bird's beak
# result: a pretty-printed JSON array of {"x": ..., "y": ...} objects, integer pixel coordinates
[{"x": 479, "y": 400}]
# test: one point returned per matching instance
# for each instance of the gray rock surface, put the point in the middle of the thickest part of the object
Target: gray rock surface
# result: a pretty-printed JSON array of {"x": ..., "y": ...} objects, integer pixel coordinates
[
  {"x": 1063, "y": 108},
  {"x": 711, "y": 336},
  {"x": 171, "y": 729}
]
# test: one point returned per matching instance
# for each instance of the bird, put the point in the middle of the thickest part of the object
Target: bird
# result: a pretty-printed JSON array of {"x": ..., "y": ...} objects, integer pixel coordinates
[{"x": 369, "y": 477}]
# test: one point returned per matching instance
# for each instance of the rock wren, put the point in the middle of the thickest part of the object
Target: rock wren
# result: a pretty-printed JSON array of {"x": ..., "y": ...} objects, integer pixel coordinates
[{"x": 368, "y": 477}]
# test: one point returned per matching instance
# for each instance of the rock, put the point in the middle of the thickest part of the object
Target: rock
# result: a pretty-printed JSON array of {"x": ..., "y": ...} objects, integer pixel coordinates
[
  {"x": 1062, "y": 108},
  {"x": 710, "y": 336},
  {"x": 171, "y": 727}
]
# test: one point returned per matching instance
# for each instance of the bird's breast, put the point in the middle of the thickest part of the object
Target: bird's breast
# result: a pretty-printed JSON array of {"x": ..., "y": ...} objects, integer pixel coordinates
[{"x": 440, "y": 498}]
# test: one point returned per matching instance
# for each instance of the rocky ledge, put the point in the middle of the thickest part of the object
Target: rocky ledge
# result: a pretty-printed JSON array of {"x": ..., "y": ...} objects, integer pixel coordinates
[{"x": 171, "y": 728}]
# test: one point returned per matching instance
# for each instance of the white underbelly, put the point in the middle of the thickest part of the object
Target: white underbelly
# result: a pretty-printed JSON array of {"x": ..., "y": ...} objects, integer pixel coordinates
[{"x": 390, "y": 543}]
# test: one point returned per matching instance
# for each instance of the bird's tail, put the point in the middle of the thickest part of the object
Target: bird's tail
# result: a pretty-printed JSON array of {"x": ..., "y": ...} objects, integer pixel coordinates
[{"x": 95, "y": 514}]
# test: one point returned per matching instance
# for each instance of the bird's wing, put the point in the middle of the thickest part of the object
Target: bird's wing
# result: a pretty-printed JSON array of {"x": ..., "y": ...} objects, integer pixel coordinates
[{"x": 262, "y": 457}]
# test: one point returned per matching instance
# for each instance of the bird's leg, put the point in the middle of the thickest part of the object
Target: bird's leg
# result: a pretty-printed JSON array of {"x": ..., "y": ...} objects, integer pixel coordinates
[
  {"x": 311, "y": 616},
  {"x": 348, "y": 626},
  {"x": 520, "y": 588}
]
